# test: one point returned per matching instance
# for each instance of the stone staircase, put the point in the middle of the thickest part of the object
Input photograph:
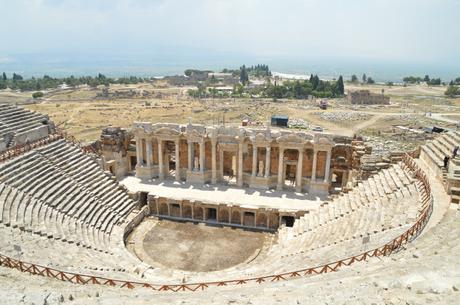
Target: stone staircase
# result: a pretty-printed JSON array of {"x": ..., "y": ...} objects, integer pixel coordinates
[
  {"x": 59, "y": 192},
  {"x": 433, "y": 153}
]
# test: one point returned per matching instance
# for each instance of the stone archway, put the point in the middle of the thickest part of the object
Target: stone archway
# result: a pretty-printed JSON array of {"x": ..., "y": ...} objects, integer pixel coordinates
[
  {"x": 198, "y": 213},
  {"x": 186, "y": 211},
  {"x": 236, "y": 217},
  {"x": 224, "y": 215},
  {"x": 163, "y": 209},
  {"x": 261, "y": 220}
]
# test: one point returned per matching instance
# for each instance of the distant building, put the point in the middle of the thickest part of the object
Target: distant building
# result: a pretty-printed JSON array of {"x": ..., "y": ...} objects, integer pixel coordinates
[
  {"x": 220, "y": 76},
  {"x": 280, "y": 120},
  {"x": 365, "y": 97}
]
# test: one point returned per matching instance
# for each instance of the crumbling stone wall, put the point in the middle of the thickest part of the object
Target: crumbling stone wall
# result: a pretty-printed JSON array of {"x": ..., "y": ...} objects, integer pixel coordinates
[
  {"x": 115, "y": 143},
  {"x": 365, "y": 97}
]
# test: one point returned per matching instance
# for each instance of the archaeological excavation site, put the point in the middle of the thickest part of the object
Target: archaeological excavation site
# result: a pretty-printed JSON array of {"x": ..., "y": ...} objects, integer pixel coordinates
[{"x": 223, "y": 213}]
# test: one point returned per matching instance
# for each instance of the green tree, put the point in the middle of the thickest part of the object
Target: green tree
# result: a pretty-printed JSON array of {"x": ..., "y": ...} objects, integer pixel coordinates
[
  {"x": 238, "y": 90},
  {"x": 244, "y": 77},
  {"x": 434, "y": 82},
  {"x": 4, "y": 76},
  {"x": 364, "y": 78},
  {"x": 370, "y": 80},
  {"x": 17, "y": 77},
  {"x": 426, "y": 78},
  {"x": 452, "y": 91},
  {"x": 340, "y": 86},
  {"x": 354, "y": 79},
  {"x": 315, "y": 82},
  {"x": 37, "y": 94}
]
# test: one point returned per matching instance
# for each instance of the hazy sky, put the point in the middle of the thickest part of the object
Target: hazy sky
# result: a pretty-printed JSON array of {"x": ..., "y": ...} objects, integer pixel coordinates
[{"x": 395, "y": 30}]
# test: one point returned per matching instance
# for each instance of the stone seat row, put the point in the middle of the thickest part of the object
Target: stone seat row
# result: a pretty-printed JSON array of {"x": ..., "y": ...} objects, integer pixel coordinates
[
  {"x": 86, "y": 171},
  {"x": 442, "y": 146},
  {"x": 69, "y": 257},
  {"x": 18, "y": 120},
  {"x": 378, "y": 189},
  {"x": 29, "y": 214},
  {"x": 69, "y": 200},
  {"x": 64, "y": 188}
]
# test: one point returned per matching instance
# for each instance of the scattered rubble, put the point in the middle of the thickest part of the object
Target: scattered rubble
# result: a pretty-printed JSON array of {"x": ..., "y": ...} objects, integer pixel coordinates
[
  {"x": 299, "y": 123},
  {"x": 343, "y": 116}
]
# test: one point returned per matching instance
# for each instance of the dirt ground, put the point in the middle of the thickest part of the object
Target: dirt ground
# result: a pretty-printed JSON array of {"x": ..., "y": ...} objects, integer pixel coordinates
[
  {"x": 83, "y": 112},
  {"x": 191, "y": 247}
]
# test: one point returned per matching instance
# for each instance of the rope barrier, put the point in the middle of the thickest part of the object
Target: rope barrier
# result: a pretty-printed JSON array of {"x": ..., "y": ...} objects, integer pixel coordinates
[{"x": 384, "y": 250}]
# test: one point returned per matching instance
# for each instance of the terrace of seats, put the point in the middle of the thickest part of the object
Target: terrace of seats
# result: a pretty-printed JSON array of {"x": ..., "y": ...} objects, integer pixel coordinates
[
  {"x": 59, "y": 192},
  {"x": 15, "y": 121},
  {"x": 433, "y": 153}
]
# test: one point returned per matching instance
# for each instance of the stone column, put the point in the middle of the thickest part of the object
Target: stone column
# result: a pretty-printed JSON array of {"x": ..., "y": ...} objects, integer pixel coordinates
[
  {"x": 313, "y": 170},
  {"x": 189, "y": 151},
  {"x": 149, "y": 152},
  {"x": 279, "y": 187},
  {"x": 177, "y": 161},
  {"x": 240, "y": 165},
  {"x": 254, "y": 160},
  {"x": 267, "y": 162},
  {"x": 202, "y": 159},
  {"x": 221, "y": 163},
  {"x": 214, "y": 162},
  {"x": 298, "y": 175},
  {"x": 139, "y": 151},
  {"x": 160, "y": 159},
  {"x": 327, "y": 171}
]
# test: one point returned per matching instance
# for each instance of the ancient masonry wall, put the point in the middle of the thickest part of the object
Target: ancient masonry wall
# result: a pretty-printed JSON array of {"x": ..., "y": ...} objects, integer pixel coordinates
[{"x": 222, "y": 214}]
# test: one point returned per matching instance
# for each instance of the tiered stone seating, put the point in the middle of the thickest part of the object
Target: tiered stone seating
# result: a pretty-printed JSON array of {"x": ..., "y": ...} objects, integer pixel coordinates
[
  {"x": 18, "y": 125},
  {"x": 58, "y": 191},
  {"x": 373, "y": 213},
  {"x": 433, "y": 154},
  {"x": 379, "y": 208}
]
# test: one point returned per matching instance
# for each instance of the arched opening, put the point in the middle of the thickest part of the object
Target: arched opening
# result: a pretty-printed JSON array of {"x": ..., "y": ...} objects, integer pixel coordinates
[
  {"x": 175, "y": 209},
  {"x": 288, "y": 221},
  {"x": 223, "y": 215},
  {"x": 186, "y": 211},
  {"x": 211, "y": 214},
  {"x": 249, "y": 219},
  {"x": 236, "y": 217},
  {"x": 261, "y": 220},
  {"x": 143, "y": 198},
  {"x": 198, "y": 213},
  {"x": 163, "y": 209}
]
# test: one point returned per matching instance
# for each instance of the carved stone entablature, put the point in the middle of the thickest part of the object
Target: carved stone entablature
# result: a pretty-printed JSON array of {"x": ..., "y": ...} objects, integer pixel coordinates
[
  {"x": 194, "y": 135},
  {"x": 293, "y": 141},
  {"x": 222, "y": 146},
  {"x": 166, "y": 133},
  {"x": 140, "y": 129},
  {"x": 261, "y": 138},
  {"x": 323, "y": 143},
  {"x": 227, "y": 139}
]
